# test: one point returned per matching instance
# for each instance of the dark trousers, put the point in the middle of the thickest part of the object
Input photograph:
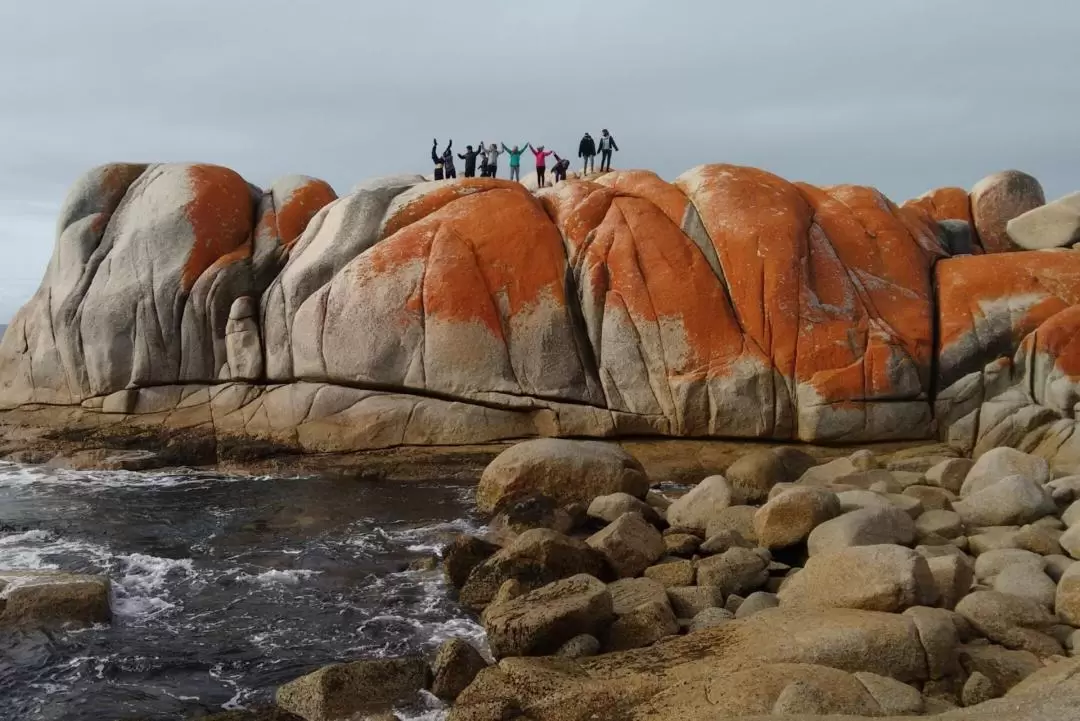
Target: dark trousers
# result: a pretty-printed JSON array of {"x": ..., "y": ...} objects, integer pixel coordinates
[
  {"x": 540, "y": 171},
  {"x": 605, "y": 160},
  {"x": 559, "y": 175},
  {"x": 451, "y": 173},
  {"x": 590, "y": 161}
]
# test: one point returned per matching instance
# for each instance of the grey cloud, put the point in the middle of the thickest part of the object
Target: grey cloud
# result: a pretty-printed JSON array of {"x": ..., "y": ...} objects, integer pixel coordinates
[{"x": 901, "y": 94}]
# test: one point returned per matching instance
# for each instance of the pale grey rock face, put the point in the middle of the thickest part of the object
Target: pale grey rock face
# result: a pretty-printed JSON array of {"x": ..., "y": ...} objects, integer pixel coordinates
[{"x": 1054, "y": 225}]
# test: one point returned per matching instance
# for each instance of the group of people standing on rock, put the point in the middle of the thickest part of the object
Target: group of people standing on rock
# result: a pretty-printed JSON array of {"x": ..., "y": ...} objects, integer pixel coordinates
[{"x": 488, "y": 157}]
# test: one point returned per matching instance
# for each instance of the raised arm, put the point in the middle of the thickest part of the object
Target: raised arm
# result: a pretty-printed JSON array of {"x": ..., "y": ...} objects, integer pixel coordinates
[
  {"x": 531, "y": 148},
  {"x": 556, "y": 156},
  {"x": 505, "y": 149}
]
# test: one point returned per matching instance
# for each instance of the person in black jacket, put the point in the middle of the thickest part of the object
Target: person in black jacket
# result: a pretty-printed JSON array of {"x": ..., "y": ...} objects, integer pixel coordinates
[
  {"x": 587, "y": 150},
  {"x": 437, "y": 159},
  {"x": 561, "y": 166},
  {"x": 607, "y": 146},
  {"x": 448, "y": 161},
  {"x": 470, "y": 160}
]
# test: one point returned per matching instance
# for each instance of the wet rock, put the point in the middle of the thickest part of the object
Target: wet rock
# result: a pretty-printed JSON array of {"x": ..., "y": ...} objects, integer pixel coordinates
[
  {"x": 53, "y": 598},
  {"x": 463, "y": 555},
  {"x": 866, "y": 527},
  {"x": 535, "y": 558},
  {"x": 790, "y": 517},
  {"x": 455, "y": 666},
  {"x": 875, "y": 578},
  {"x": 738, "y": 570},
  {"x": 543, "y": 620},
  {"x": 630, "y": 545},
  {"x": 611, "y": 507},
  {"x": 643, "y": 626},
  {"x": 347, "y": 689},
  {"x": 1012, "y": 501},
  {"x": 697, "y": 508},
  {"x": 563, "y": 470}
]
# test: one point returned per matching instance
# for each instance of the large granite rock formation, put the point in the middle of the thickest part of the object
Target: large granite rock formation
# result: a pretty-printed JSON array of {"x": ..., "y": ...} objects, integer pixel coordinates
[{"x": 182, "y": 300}]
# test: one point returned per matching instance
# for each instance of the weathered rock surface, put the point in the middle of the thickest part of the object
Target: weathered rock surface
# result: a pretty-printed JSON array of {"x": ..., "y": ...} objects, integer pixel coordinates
[
  {"x": 454, "y": 668},
  {"x": 545, "y": 619},
  {"x": 1054, "y": 225},
  {"x": 875, "y": 578},
  {"x": 866, "y": 527},
  {"x": 190, "y": 311},
  {"x": 53, "y": 598},
  {"x": 701, "y": 505},
  {"x": 630, "y": 545},
  {"x": 566, "y": 471},
  {"x": 789, "y": 518},
  {"x": 534, "y": 559},
  {"x": 342, "y": 690}
]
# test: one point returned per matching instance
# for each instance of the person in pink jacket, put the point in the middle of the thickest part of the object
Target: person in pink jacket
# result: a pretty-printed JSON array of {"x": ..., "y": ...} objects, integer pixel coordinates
[{"x": 541, "y": 162}]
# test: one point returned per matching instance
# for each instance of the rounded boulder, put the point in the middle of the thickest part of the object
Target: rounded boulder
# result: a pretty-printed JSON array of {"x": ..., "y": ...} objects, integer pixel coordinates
[{"x": 565, "y": 471}]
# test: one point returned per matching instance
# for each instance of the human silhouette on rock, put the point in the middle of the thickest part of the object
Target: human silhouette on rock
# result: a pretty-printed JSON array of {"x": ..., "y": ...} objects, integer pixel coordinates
[{"x": 587, "y": 150}]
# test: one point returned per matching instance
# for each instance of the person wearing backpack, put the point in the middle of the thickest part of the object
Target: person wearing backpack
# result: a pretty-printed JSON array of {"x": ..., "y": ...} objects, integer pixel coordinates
[
  {"x": 587, "y": 150},
  {"x": 607, "y": 146}
]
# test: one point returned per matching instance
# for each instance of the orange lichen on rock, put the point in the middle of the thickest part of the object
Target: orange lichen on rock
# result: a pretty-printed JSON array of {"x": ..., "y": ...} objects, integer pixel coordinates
[
  {"x": 759, "y": 225},
  {"x": 293, "y": 215},
  {"x": 649, "y": 186},
  {"x": 1059, "y": 338},
  {"x": 433, "y": 196},
  {"x": 944, "y": 204},
  {"x": 1025, "y": 289},
  {"x": 221, "y": 216}
]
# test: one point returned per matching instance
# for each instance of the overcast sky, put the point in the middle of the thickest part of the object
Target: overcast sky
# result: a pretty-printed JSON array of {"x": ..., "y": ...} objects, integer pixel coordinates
[{"x": 902, "y": 94}]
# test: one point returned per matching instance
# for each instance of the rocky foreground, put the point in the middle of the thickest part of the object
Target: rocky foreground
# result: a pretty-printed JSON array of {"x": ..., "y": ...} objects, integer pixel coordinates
[
  {"x": 198, "y": 319},
  {"x": 870, "y": 586}
]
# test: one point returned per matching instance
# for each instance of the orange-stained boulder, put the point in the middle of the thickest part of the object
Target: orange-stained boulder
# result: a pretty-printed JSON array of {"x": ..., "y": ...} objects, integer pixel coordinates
[
  {"x": 465, "y": 296},
  {"x": 987, "y": 304},
  {"x": 997, "y": 199},
  {"x": 944, "y": 204},
  {"x": 727, "y": 303},
  {"x": 833, "y": 285}
]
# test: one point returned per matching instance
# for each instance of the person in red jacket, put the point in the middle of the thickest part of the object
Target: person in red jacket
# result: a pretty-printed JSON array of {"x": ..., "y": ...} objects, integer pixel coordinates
[{"x": 541, "y": 162}]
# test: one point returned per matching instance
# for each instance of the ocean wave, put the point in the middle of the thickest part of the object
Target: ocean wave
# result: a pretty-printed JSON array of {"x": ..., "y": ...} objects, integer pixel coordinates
[{"x": 278, "y": 577}]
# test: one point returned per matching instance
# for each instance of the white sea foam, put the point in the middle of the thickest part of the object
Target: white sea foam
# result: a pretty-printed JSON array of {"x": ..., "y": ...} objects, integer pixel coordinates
[{"x": 278, "y": 577}]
